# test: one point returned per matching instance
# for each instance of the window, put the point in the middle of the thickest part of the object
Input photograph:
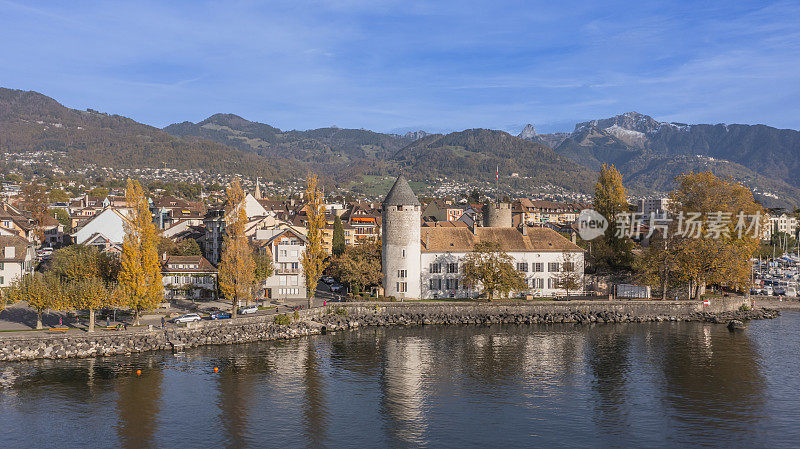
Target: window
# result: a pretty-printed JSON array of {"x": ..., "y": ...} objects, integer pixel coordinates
[
  {"x": 552, "y": 283},
  {"x": 452, "y": 267},
  {"x": 436, "y": 268},
  {"x": 451, "y": 284},
  {"x": 293, "y": 280},
  {"x": 436, "y": 283},
  {"x": 402, "y": 287},
  {"x": 281, "y": 280},
  {"x": 522, "y": 266},
  {"x": 401, "y": 273},
  {"x": 537, "y": 283},
  {"x": 404, "y": 253},
  {"x": 538, "y": 267},
  {"x": 568, "y": 266},
  {"x": 553, "y": 267}
]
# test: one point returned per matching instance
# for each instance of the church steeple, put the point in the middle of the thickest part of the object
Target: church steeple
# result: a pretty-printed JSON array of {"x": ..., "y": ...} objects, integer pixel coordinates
[{"x": 258, "y": 189}]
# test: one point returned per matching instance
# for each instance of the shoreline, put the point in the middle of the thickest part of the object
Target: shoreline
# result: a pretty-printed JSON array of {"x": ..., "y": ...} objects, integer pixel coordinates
[{"x": 343, "y": 316}]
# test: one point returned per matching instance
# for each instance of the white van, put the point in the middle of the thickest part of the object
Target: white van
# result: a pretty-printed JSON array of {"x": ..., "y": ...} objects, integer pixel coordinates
[{"x": 791, "y": 292}]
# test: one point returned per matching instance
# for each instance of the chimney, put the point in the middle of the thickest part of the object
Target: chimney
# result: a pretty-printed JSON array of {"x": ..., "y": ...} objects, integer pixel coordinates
[
  {"x": 524, "y": 229},
  {"x": 164, "y": 256},
  {"x": 427, "y": 240},
  {"x": 574, "y": 238},
  {"x": 9, "y": 252}
]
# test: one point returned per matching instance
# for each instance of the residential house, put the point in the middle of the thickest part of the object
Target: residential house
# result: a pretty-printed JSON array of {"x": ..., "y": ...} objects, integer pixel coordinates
[
  {"x": 105, "y": 230},
  {"x": 188, "y": 277},
  {"x": 17, "y": 257},
  {"x": 286, "y": 247}
]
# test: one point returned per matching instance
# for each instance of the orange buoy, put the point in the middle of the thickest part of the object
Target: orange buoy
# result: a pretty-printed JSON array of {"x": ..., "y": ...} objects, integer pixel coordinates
[
  {"x": 138, "y": 372},
  {"x": 216, "y": 369}
]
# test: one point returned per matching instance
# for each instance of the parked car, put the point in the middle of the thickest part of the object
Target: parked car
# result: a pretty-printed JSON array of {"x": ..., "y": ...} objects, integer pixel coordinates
[
  {"x": 766, "y": 290},
  {"x": 248, "y": 310},
  {"x": 779, "y": 291},
  {"x": 219, "y": 315},
  {"x": 187, "y": 318},
  {"x": 791, "y": 292},
  {"x": 328, "y": 280},
  {"x": 337, "y": 288}
]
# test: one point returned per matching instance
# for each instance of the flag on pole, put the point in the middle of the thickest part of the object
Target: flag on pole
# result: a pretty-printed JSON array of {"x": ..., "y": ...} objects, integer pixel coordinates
[{"x": 497, "y": 176}]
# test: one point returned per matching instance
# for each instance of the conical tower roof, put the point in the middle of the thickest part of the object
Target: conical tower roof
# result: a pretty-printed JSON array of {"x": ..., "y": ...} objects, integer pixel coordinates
[{"x": 401, "y": 194}]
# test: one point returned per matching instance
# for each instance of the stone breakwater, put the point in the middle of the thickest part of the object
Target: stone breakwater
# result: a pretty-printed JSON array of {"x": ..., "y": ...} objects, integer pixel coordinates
[
  {"x": 410, "y": 317},
  {"x": 354, "y": 315}
]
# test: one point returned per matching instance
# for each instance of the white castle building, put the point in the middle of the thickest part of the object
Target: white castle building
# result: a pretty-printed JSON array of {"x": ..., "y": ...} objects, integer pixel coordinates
[{"x": 425, "y": 263}]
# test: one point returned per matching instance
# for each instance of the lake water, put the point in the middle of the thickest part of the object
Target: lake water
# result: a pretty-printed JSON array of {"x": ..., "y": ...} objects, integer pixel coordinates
[{"x": 627, "y": 385}]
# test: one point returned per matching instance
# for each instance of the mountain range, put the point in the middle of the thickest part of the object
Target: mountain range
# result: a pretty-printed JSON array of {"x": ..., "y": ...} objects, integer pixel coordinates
[{"x": 649, "y": 153}]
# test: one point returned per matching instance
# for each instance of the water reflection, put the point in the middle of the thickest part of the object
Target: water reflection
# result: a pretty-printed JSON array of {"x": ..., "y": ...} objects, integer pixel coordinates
[
  {"x": 712, "y": 379},
  {"x": 138, "y": 404},
  {"x": 406, "y": 365},
  {"x": 618, "y": 385}
]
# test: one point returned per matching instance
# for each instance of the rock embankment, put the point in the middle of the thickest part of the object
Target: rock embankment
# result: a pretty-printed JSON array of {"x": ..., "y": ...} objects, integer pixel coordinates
[
  {"x": 91, "y": 345},
  {"x": 341, "y": 322},
  {"x": 316, "y": 321}
]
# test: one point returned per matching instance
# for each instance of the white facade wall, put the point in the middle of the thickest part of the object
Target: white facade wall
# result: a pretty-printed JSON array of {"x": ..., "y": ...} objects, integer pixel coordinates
[
  {"x": 108, "y": 223},
  {"x": 401, "y": 251},
  {"x": 10, "y": 272},
  {"x": 288, "y": 281},
  {"x": 534, "y": 278}
]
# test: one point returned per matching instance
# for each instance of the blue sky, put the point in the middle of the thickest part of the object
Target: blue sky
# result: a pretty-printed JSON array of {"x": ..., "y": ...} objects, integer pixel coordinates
[{"x": 399, "y": 65}]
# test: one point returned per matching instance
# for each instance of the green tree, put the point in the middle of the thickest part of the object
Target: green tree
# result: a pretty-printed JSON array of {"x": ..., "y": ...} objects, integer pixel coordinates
[
  {"x": 263, "y": 263},
  {"x": 656, "y": 265},
  {"x": 490, "y": 267},
  {"x": 237, "y": 268},
  {"x": 63, "y": 217},
  {"x": 314, "y": 254},
  {"x": 359, "y": 266},
  {"x": 338, "y": 237},
  {"x": 140, "y": 281},
  {"x": 610, "y": 199},
  {"x": 78, "y": 262},
  {"x": 58, "y": 196}
]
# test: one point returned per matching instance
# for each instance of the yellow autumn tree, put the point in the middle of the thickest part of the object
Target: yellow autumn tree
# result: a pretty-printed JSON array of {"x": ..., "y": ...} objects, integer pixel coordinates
[
  {"x": 610, "y": 199},
  {"x": 719, "y": 251},
  {"x": 40, "y": 291},
  {"x": 140, "y": 275},
  {"x": 237, "y": 269},
  {"x": 90, "y": 294},
  {"x": 314, "y": 253}
]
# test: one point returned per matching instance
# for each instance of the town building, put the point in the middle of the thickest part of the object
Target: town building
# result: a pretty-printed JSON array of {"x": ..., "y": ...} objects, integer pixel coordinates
[
  {"x": 105, "y": 230},
  {"x": 653, "y": 206},
  {"x": 426, "y": 262},
  {"x": 17, "y": 258},
  {"x": 188, "y": 277},
  {"x": 781, "y": 223},
  {"x": 539, "y": 212},
  {"x": 285, "y": 247}
]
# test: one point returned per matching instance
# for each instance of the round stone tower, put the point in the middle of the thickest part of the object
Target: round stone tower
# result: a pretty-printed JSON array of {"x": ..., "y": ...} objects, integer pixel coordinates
[
  {"x": 497, "y": 215},
  {"x": 401, "y": 241}
]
